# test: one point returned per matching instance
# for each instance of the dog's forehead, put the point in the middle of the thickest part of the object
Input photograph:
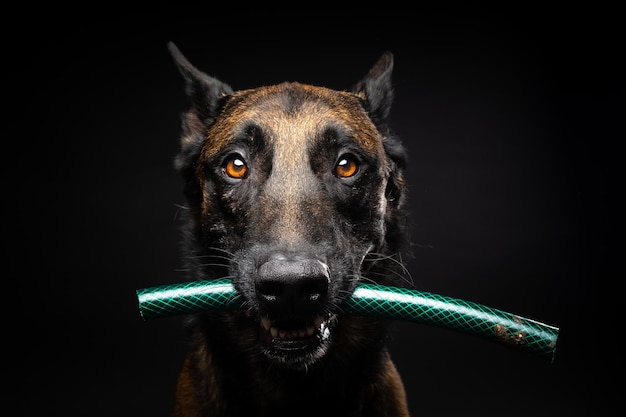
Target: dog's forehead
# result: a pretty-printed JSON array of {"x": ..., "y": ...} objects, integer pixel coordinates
[{"x": 297, "y": 113}]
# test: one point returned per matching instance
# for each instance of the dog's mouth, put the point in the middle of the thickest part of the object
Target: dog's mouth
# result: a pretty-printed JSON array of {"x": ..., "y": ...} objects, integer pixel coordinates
[{"x": 295, "y": 336}]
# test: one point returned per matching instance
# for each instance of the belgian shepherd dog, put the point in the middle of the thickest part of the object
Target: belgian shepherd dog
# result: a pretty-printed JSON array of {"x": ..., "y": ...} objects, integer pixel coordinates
[{"x": 296, "y": 193}]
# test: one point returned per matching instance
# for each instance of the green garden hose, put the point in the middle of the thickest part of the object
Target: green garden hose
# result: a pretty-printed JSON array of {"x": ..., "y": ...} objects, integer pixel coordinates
[{"x": 371, "y": 300}]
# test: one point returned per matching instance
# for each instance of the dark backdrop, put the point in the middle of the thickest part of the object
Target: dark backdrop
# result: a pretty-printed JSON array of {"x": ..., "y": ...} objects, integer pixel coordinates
[{"x": 507, "y": 116}]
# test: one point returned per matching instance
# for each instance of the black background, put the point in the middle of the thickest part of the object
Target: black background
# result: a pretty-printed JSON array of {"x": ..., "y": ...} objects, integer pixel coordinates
[{"x": 509, "y": 120}]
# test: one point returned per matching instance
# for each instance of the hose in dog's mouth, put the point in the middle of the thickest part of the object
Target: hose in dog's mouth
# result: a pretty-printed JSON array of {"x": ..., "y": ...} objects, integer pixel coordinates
[{"x": 368, "y": 300}]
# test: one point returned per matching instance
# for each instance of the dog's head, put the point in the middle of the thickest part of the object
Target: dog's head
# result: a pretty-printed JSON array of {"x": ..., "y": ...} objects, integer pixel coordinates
[{"x": 296, "y": 193}]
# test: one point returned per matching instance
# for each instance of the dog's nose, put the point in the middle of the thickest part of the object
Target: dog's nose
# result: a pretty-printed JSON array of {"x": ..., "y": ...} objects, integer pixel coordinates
[{"x": 292, "y": 285}]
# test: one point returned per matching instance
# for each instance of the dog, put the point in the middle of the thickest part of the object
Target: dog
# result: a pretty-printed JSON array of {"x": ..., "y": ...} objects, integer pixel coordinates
[{"x": 297, "y": 193}]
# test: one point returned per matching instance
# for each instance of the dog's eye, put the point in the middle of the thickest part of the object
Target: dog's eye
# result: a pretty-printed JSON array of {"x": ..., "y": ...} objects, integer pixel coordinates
[
  {"x": 347, "y": 166},
  {"x": 235, "y": 167}
]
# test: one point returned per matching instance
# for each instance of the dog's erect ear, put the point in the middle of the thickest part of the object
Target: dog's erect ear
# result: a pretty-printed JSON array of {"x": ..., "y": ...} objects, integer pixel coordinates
[
  {"x": 376, "y": 93},
  {"x": 205, "y": 91},
  {"x": 376, "y": 90}
]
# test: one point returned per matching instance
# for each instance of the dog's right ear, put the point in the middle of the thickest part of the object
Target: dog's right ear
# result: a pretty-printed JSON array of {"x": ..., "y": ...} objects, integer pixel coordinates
[{"x": 204, "y": 91}]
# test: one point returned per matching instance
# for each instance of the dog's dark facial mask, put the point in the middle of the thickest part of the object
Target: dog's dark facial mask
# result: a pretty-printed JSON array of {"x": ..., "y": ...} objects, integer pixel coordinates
[{"x": 294, "y": 192}]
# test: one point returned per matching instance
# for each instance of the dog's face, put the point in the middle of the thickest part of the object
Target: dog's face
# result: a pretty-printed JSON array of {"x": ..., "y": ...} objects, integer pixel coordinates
[{"x": 294, "y": 192}]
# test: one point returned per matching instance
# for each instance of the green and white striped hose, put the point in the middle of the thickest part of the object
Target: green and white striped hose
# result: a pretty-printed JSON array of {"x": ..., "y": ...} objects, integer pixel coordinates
[{"x": 370, "y": 300}]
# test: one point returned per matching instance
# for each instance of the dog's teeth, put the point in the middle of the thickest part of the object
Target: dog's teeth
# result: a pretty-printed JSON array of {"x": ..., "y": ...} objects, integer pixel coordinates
[
  {"x": 317, "y": 322},
  {"x": 266, "y": 323},
  {"x": 313, "y": 326}
]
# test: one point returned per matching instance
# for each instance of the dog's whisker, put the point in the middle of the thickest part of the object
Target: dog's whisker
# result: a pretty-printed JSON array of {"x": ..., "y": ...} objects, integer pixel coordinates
[
  {"x": 219, "y": 265},
  {"x": 179, "y": 209},
  {"x": 218, "y": 249},
  {"x": 403, "y": 277},
  {"x": 405, "y": 274},
  {"x": 200, "y": 257},
  {"x": 226, "y": 260},
  {"x": 217, "y": 257}
]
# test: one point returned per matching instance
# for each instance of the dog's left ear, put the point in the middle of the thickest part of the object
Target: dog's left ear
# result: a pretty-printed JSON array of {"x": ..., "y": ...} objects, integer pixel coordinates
[
  {"x": 376, "y": 93},
  {"x": 376, "y": 90}
]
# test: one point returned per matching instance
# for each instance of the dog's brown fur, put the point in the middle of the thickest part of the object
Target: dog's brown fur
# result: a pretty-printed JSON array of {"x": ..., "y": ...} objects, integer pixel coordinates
[{"x": 296, "y": 193}]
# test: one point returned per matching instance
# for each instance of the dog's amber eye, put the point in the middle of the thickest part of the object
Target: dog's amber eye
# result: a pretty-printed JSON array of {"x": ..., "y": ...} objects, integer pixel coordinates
[
  {"x": 347, "y": 166},
  {"x": 235, "y": 167}
]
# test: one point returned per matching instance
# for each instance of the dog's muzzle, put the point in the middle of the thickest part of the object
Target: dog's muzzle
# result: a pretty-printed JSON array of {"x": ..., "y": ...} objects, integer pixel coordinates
[{"x": 292, "y": 292}]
